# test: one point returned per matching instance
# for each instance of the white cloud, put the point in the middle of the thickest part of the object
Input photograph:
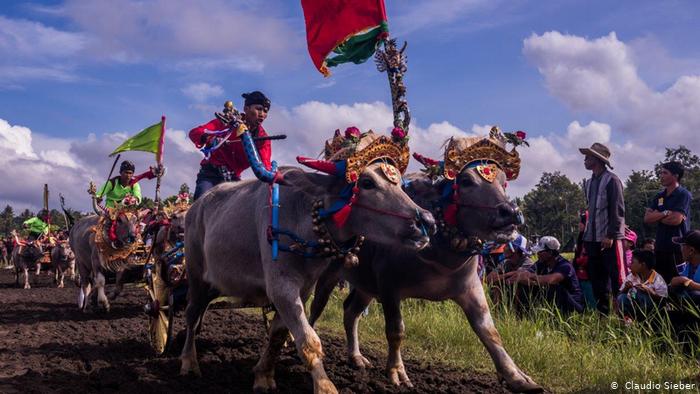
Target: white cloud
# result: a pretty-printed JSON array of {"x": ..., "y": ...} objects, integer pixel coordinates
[
  {"x": 32, "y": 51},
  {"x": 600, "y": 77},
  {"x": 22, "y": 38},
  {"x": 202, "y": 91},
  {"x": 481, "y": 129},
  {"x": 15, "y": 141},
  {"x": 588, "y": 134},
  {"x": 29, "y": 160}
]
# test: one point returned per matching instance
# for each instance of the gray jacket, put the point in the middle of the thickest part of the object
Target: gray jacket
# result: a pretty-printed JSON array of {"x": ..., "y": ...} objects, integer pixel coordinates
[{"x": 606, "y": 208}]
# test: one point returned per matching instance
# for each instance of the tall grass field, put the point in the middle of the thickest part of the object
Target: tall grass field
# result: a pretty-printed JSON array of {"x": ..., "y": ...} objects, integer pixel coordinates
[{"x": 581, "y": 353}]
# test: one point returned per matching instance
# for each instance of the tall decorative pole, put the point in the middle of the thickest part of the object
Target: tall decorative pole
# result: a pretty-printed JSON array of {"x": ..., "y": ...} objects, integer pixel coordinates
[
  {"x": 46, "y": 206},
  {"x": 159, "y": 162},
  {"x": 393, "y": 61}
]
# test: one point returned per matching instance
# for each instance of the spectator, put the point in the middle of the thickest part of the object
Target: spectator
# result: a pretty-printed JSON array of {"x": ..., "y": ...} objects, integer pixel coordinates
[
  {"x": 686, "y": 286},
  {"x": 643, "y": 288},
  {"x": 552, "y": 277},
  {"x": 649, "y": 244},
  {"x": 605, "y": 227},
  {"x": 581, "y": 262},
  {"x": 670, "y": 210},
  {"x": 629, "y": 244},
  {"x": 9, "y": 246},
  {"x": 516, "y": 257},
  {"x": 3, "y": 250}
]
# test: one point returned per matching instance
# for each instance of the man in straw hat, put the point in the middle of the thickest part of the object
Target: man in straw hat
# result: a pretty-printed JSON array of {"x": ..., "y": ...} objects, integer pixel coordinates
[{"x": 605, "y": 228}]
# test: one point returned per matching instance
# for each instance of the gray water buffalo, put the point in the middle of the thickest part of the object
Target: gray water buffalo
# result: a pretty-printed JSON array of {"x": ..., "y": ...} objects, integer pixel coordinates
[
  {"x": 92, "y": 262},
  {"x": 25, "y": 258},
  {"x": 228, "y": 253},
  {"x": 442, "y": 271},
  {"x": 62, "y": 260}
]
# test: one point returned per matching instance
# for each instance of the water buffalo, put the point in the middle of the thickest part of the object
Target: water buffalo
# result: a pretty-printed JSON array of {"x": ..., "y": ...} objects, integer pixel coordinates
[
  {"x": 442, "y": 271},
  {"x": 62, "y": 260},
  {"x": 228, "y": 253},
  {"x": 24, "y": 258},
  {"x": 165, "y": 229},
  {"x": 90, "y": 260}
]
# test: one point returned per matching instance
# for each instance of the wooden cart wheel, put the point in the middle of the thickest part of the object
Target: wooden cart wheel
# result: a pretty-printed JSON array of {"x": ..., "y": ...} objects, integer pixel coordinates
[{"x": 159, "y": 330}]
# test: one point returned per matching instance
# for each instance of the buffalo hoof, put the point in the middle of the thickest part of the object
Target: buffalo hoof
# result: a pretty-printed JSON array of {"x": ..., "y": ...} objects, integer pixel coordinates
[
  {"x": 519, "y": 382},
  {"x": 264, "y": 382},
  {"x": 397, "y": 376},
  {"x": 27, "y": 286},
  {"x": 359, "y": 361},
  {"x": 324, "y": 386},
  {"x": 190, "y": 367}
]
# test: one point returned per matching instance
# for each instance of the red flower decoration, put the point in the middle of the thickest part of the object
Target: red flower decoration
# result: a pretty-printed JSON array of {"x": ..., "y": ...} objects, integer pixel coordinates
[
  {"x": 398, "y": 133},
  {"x": 521, "y": 134},
  {"x": 352, "y": 132}
]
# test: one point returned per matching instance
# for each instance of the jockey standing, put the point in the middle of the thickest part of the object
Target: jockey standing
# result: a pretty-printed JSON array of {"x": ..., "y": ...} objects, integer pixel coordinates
[
  {"x": 37, "y": 226},
  {"x": 126, "y": 184},
  {"x": 37, "y": 229},
  {"x": 226, "y": 163}
]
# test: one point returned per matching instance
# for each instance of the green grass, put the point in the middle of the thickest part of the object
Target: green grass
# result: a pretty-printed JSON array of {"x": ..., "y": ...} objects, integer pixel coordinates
[{"x": 581, "y": 353}]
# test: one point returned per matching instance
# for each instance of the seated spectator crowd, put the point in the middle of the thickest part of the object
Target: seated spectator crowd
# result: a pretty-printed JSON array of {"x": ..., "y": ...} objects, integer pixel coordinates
[{"x": 553, "y": 280}]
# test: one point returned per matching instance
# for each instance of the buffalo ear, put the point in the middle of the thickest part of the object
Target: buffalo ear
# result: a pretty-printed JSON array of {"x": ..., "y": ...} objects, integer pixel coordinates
[{"x": 310, "y": 183}]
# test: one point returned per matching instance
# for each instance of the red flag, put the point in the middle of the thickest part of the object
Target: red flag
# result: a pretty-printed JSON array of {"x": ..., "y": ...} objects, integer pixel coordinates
[{"x": 352, "y": 29}]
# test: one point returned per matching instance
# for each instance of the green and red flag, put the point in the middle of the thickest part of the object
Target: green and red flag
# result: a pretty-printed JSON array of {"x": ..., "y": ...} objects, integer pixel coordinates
[
  {"x": 343, "y": 31},
  {"x": 149, "y": 139}
]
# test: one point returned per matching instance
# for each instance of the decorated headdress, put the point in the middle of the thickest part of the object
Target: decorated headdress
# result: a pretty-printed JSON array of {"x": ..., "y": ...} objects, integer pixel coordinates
[
  {"x": 488, "y": 155},
  {"x": 347, "y": 155}
]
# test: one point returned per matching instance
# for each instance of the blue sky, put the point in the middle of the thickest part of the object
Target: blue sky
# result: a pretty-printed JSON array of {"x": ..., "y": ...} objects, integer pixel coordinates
[{"x": 77, "y": 76}]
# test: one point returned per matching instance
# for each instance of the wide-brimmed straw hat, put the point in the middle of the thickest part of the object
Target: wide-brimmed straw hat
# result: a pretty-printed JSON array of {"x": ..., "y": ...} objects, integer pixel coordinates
[{"x": 598, "y": 150}]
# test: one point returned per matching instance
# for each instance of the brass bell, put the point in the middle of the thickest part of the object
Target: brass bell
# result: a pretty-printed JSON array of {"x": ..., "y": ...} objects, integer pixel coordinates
[
  {"x": 454, "y": 244},
  {"x": 228, "y": 105},
  {"x": 351, "y": 260}
]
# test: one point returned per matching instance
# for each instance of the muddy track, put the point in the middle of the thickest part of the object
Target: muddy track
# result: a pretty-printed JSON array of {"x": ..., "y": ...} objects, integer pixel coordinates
[{"x": 48, "y": 346}]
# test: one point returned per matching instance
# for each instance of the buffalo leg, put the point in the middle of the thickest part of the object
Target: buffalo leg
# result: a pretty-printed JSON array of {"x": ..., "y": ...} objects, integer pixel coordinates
[
  {"x": 100, "y": 287},
  {"x": 118, "y": 286},
  {"x": 196, "y": 306},
  {"x": 395, "y": 368},
  {"x": 26, "y": 279},
  {"x": 265, "y": 369},
  {"x": 291, "y": 309},
  {"x": 473, "y": 303},
  {"x": 354, "y": 304},
  {"x": 60, "y": 275},
  {"x": 324, "y": 288}
]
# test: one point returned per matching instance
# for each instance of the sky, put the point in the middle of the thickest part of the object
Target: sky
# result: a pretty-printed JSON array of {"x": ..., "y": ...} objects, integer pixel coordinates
[{"x": 77, "y": 78}]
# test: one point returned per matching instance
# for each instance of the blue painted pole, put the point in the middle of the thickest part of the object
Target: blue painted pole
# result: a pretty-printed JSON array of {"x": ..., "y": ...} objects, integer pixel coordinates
[{"x": 253, "y": 156}]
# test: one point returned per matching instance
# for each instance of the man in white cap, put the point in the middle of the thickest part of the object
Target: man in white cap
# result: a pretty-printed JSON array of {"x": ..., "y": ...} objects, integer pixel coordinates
[
  {"x": 552, "y": 276},
  {"x": 605, "y": 228}
]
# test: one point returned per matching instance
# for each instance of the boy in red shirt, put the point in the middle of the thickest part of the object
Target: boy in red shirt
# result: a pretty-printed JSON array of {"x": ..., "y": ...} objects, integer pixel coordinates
[{"x": 227, "y": 160}]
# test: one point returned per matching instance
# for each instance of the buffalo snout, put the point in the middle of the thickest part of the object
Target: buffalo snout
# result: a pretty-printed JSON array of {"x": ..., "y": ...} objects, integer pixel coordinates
[{"x": 508, "y": 214}]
